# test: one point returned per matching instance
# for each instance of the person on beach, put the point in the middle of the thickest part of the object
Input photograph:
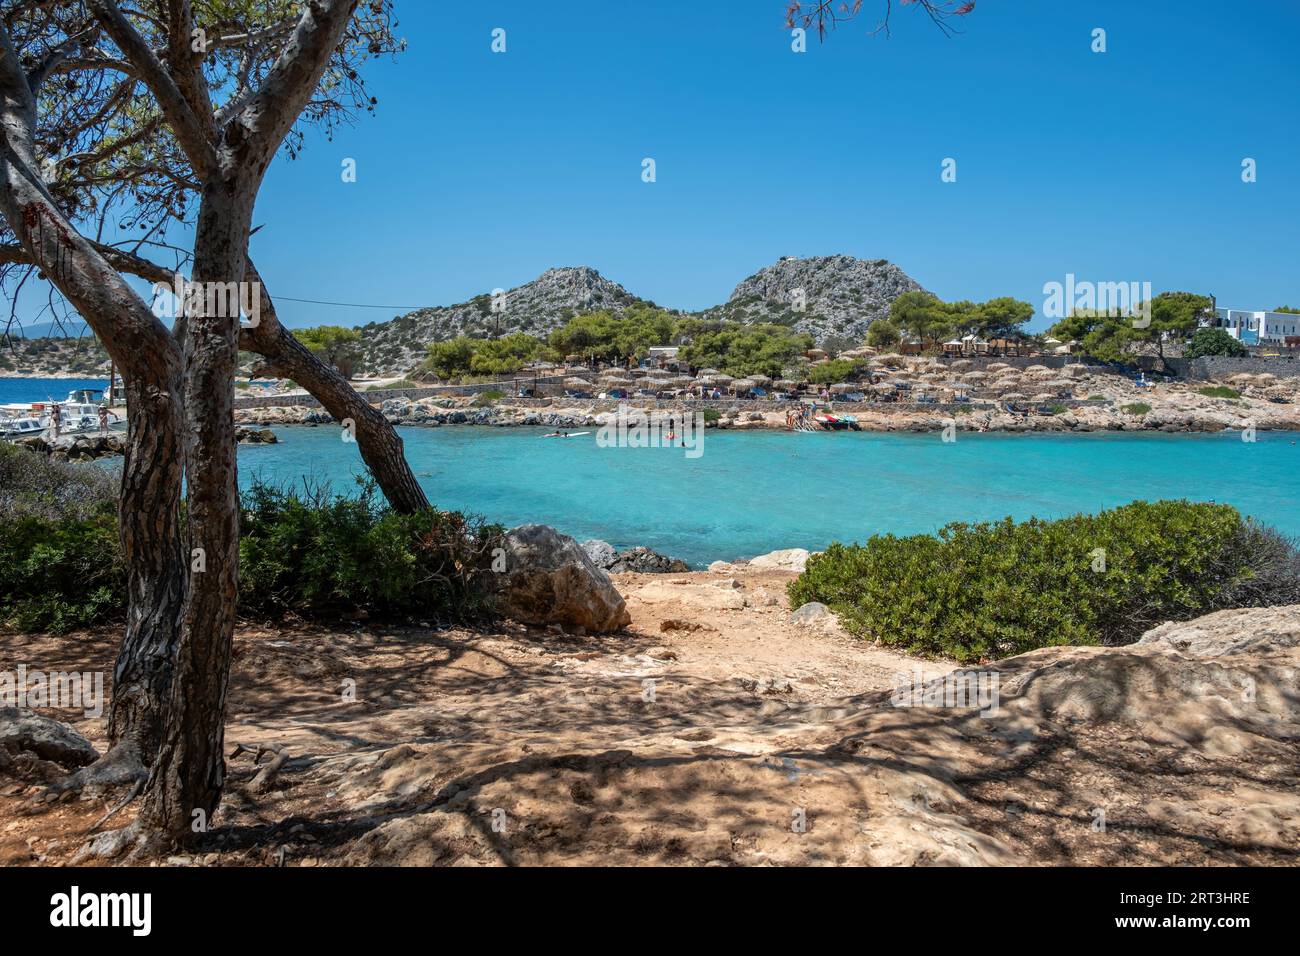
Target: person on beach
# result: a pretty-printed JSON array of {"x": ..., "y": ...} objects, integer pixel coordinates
[
  {"x": 56, "y": 419},
  {"x": 103, "y": 419}
]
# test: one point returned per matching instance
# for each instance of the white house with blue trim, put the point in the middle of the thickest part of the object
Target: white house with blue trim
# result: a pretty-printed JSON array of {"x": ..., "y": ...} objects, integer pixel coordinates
[{"x": 1257, "y": 328}]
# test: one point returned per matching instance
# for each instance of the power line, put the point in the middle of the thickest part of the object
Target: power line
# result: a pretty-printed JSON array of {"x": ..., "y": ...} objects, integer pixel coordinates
[{"x": 351, "y": 305}]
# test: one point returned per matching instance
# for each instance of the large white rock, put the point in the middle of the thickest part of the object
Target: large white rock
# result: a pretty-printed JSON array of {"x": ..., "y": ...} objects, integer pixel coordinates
[{"x": 791, "y": 559}]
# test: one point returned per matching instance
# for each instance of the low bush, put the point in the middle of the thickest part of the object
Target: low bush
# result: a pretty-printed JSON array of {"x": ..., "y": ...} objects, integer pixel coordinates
[
  {"x": 36, "y": 485},
  {"x": 314, "y": 554},
  {"x": 979, "y": 591},
  {"x": 319, "y": 554},
  {"x": 1136, "y": 408},
  {"x": 57, "y": 574},
  {"x": 1219, "y": 391}
]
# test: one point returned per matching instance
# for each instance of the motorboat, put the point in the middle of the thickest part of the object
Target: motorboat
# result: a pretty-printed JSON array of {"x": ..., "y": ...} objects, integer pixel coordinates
[{"x": 78, "y": 415}]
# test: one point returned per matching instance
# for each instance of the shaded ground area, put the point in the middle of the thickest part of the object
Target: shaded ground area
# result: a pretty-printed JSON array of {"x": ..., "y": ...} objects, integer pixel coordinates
[{"x": 717, "y": 732}]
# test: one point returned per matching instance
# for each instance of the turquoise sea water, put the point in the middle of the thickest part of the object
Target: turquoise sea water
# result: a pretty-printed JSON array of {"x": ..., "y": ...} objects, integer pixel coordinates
[
  {"x": 44, "y": 389},
  {"x": 752, "y": 492}
]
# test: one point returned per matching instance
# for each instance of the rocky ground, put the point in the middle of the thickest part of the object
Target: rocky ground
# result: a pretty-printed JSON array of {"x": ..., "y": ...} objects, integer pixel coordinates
[{"x": 716, "y": 730}]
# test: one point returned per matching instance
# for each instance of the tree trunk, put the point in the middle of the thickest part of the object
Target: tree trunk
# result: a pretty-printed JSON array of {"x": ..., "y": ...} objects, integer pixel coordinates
[
  {"x": 186, "y": 781},
  {"x": 149, "y": 522},
  {"x": 380, "y": 445}
]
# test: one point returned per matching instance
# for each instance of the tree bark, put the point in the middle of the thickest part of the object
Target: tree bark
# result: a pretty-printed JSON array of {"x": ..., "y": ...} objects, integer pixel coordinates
[
  {"x": 186, "y": 780},
  {"x": 380, "y": 445},
  {"x": 149, "y": 523}
]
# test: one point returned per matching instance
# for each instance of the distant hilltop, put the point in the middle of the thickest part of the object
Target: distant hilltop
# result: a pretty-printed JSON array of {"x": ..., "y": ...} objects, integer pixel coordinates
[
  {"x": 834, "y": 298},
  {"x": 830, "y": 297}
]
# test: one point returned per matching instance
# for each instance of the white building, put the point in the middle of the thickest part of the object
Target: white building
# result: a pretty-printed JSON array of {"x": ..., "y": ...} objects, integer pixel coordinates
[{"x": 1255, "y": 328}]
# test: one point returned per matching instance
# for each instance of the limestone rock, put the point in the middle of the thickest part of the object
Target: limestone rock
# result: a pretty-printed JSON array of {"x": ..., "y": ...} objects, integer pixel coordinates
[
  {"x": 791, "y": 559},
  {"x": 549, "y": 579},
  {"x": 23, "y": 730}
]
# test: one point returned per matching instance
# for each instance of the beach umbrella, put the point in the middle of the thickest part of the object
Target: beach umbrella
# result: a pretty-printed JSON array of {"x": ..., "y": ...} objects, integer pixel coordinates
[
  {"x": 1037, "y": 370},
  {"x": 760, "y": 379},
  {"x": 1044, "y": 397},
  {"x": 893, "y": 358},
  {"x": 997, "y": 367},
  {"x": 1014, "y": 396},
  {"x": 576, "y": 383},
  {"x": 882, "y": 387},
  {"x": 709, "y": 371},
  {"x": 975, "y": 376},
  {"x": 962, "y": 365},
  {"x": 841, "y": 388},
  {"x": 722, "y": 378}
]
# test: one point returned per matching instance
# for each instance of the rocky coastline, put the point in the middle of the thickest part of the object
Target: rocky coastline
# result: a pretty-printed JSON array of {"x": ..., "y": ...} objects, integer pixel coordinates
[{"x": 1167, "y": 409}]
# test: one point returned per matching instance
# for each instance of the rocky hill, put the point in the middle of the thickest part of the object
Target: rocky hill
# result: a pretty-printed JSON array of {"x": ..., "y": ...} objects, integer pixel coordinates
[
  {"x": 53, "y": 357},
  {"x": 841, "y": 295},
  {"x": 535, "y": 307}
]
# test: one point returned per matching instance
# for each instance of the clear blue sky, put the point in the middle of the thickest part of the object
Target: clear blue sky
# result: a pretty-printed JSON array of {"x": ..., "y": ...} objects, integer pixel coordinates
[{"x": 482, "y": 170}]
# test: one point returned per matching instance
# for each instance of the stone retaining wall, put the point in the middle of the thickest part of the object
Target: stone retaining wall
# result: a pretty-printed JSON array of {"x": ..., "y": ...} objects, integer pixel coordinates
[{"x": 1224, "y": 366}]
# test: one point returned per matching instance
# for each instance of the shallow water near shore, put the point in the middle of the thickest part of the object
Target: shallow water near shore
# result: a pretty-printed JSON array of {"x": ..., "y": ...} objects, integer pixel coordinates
[{"x": 753, "y": 492}]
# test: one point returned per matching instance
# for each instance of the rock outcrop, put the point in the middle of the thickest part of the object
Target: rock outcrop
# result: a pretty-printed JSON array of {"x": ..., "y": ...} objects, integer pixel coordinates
[
  {"x": 24, "y": 731},
  {"x": 640, "y": 559},
  {"x": 549, "y": 579},
  {"x": 536, "y": 307},
  {"x": 841, "y": 295}
]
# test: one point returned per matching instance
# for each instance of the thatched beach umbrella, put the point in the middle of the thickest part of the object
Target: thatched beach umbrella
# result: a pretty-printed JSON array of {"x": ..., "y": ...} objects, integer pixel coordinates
[
  {"x": 975, "y": 376},
  {"x": 962, "y": 365},
  {"x": 1014, "y": 397}
]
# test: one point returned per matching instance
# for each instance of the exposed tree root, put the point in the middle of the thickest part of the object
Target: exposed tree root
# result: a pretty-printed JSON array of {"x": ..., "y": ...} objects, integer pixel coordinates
[
  {"x": 120, "y": 766},
  {"x": 135, "y": 792},
  {"x": 266, "y": 776}
]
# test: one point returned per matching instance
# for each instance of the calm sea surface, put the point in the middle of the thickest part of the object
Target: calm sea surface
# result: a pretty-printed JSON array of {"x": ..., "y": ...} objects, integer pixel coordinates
[
  {"x": 44, "y": 389},
  {"x": 752, "y": 492}
]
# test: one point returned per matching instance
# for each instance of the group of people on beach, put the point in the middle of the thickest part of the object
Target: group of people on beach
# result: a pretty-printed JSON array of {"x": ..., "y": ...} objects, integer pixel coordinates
[{"x": 56, "y": 419}]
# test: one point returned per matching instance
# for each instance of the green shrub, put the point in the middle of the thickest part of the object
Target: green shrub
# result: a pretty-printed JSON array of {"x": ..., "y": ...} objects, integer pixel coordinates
[
  {"x": 978, "y": 591},
  {"x": 1137, "y": 408},
  {"x": 1214, "y": 342},
  {"x": 34, "y": 484},
  {"x": 487, "y": 397},
  {"x": 324, "y": 554},
  {"x": 62, "y": 573},
  {"x": 712, "y": 415},
  {"x": 313, "y": 554},
  {"x": 1219, "y": 391}
]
